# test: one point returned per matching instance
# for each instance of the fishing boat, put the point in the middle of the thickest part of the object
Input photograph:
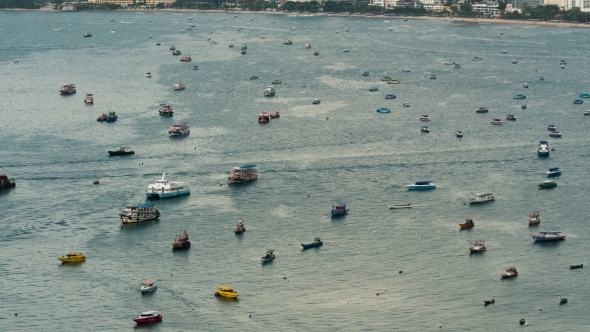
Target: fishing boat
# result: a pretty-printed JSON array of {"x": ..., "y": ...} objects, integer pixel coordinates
[
  {"x": 102, "y": 117},
  {"x": 244, "y": 52},
  {"x": 390, "y": 96},
  {"x": 482, "y": 110},
  {"x": 478, "y": 246},
  {"x": 181, "y": 242},
  {"x": 383, "y": 110},
  {"x": 509, "y": 272},
  {"x": 511, "y": 117},
  {"x": 166, "y": 189},
  {"x": 178, "y": 129},
  {"x": 288, "y": 42},
  {"x": 394, "y": 81},
  {"x": 179, "y": 86},
  {"x": 226, "y": 291},
  {"x": 547, "y": 184},
  {"x": 486, "y": 302},
  {"x": 543, "y": 149},
  {"x": 467, "y": 224},
  {"x": 277, "y": 82},
  {"x": 551, "y": 127},
  {"x": 72, "y": 257},
  {"x": 497, "y": 121},
  {"x": 67, "y": 89},
  {"x": 401, "y": 206},
  {"x": 555, "y": 134},
  {"x": 316, "y": 101},
  {"x": 520, "y": 96},
  {"x": 553, "y": 171},
  {"x": 111, "y": 117},
  {"x": 148, "y": 286},
  {"x": 576, "y": 266},
  {"x": 269, "y": 256},
  {"x": 165, "y": 110},
  {"x": 534, "y": 218},
  {"x": 123, "y": 151},
  {"x": 88, "y": 34},
  {"x": 421, "y": 185},
  {"x": 134, "y": 213},
  {"x": 316, "y": 243},
  {"x": 5, "y": 182},
  {"x": 176, "y": 52},
  {"x": 148, "y": 317},
  {"x": 373, "y": 89},
  {"x": 584, "y": 95},
  {"x": 263, "y": 117},
  {"x": 242, "y": 174},
  {"x": 269, "y": 92},
  {"x": 424, "y": 117},
  {"x": 89, "y": 99},
  {"x": 459, "y": 133},
  {"x": 550, "y": 235},
  {"x": 275, "y": 116},
  {"x": 425, "y": 129},
  {"x": 339, "y": 209},
  {"x": 578, "y": 101},
  {"x": 240, "y": 228},
  {"x": 186, "y": 59}
]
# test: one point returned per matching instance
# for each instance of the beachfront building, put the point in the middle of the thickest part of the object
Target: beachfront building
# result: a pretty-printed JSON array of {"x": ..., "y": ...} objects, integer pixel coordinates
[
  {"x": 131, "y": 2},
  {"x": 433, "y": 5},
  {"x": 527, "y": 3},
  {"x": 487, "y": 8}
]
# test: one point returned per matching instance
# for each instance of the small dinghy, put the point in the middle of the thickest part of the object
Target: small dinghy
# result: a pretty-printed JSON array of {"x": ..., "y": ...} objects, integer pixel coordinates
[
  {"x": 577, "y": 266},
  {"x": 486, "y": 302},
  {"x": 401, "y": 206}
]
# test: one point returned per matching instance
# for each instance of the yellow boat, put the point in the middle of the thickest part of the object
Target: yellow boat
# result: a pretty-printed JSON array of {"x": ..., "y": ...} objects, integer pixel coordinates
[
  {"x": 226, "y": 291},
  {"x": 467, "y": 224},
  {"x": 394, "y": 81},
  {"x": 72, "y": 257}
]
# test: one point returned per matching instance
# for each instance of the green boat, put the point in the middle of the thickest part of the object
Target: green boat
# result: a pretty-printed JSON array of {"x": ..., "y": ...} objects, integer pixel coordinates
[{"x": 548, "y": 184}]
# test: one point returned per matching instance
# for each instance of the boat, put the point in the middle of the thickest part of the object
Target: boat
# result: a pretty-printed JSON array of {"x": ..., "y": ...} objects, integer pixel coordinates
[
  {"x": 584, "y": 95},
  {"x": 243, "y": 52},
  {"x": 385, "y": 78},
  {"x": 514, "y": 62},
  {"x": 576, "y": 266},
  {"x": 587, "y": 112},
  {"x": 72, "y": 257},
  {"x": 111, "y": 117},
  {"x": 578, "y": 101},
  {"x": 172, "y": 48},
  {"x": 148, "y": 286},
  {"x": 556, "y": 134},
  {"x": 482, "y": 110},
  {"x": 195, "y": 67},
  {"x": 253, "y": 77},
  {"x": 390, "y": 96},
  {"x": 365, "y": 73},
  {"x": 520, "y": 96},
  {"x": 5, "y": 182},
  {"x": 562, "y": 301},
  {"x": 400, "y": 206},
  {"x": 179, "y": 86},
  {"x": 89, "y": 99},
  {"x": 525, "y": 85},
  {"x": 316, "y": 53},
  {"x": 307, "y": 45},
  {"x": 263, "y": 117},
  {"x": 511, "y": 117},
  {"x": 424, "y": 117},
  {"x": 373, "y": 88},
  {"x": 478, "y": 246},
  {"x": 547, "y": 184},
  {"x": 148, "y": 317},
  {"x": 486, "y": 302},
  {"x": 242, "y": 174},
  {"x": 102, "y": 117},
  {"x": 503, "y": 52},
  {"x": 240, "y": 228},
  {"x": 553, "y": 171},
  {"x": 459, "y": 133},
  {"x": 562, "y": 62},
  {"x": 165, "y": 110},
  {"x": 226, "y": 291},
  {"x": 181, "y": 242},
  {"x": 551, "y": 127},
  {"x": 339, "y": 209},
  {"x": 315, "y": 101},
  {"x": 523, "y": 106},
  {"x": 383, "y": 110},
  {"x": 522, "y": 321},
  {"x": 316, "y": 243},
  {"x": 509, "y": 272},
  {"x": 449, "y": 63},
  {"x": 482, "y": 198},
  {"x": 467, "y": 224},
  {"x": 406, "y": 70},
  {"x": 231, "y": 45},
  {"x": 165, "y": 189},
  {"x": 123, "y": 151},
  {"x": 432, "y": 77},
  {"x": 178, "y": 129},
  {"x": 534, "y": 218},
  {"x": 421, "y": 185},
  {"x": 134, "y": 213},
  {"x": 425, "y": 129},
  {"x": 67, "y": 89},
  {"x": 406, "y": 104},
  {"x": 148, "y": 75},
  {"x": 269, "y": 256},
  {"x": 88, "y": 34},
  {"x": 457, "y": 66},
  {"x": 176, "y": 52},
  {"x": 288, "y": 42},
  {"x": 476, "y": 58},
  {"x": 277, "y": 82},
  {"x": 346, "y": 51},
  {"x": 541, "y": 78},
  {"x": 269, "y": 92},
  {"x": 275, "y": 116},
  {"x": 186, "y": 59},
  {"x": 550, "y": 235},
  {"x": 394, "y": 81},
  {"x": 543, "y": 149}
]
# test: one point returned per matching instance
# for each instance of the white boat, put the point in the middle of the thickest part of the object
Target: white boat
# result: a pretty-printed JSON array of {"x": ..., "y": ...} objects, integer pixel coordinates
[
  {"x": 478, "y": 246},
  {"x": 421, "y": 185},
  {"x": 406, "y": 70},
  {"x": 268, "y": 257},
  {"x": 148, "y": 75},
  {"x": 543, "y": 149},
  {"x": 514, "y": 62},
  {"x": 525, "y": 85},
  {"x": 134, "y": 213},
  {"x": 178, "y": 129},
  {"x": 406, "y": 104},
  {"x": 504, "y": 52},
  {"x": 482, "y": 198},
  {"x": 307, "y": 45},
  {"x": 497, "y": 122},
  {"x": 148, "y": 286},
  {"x": 449, "y": 63},
  {"x": 270, "y": 91},
  {"x": 476, "y": 58},
  {"x": 424, "y": 117},
  {"x": 164, "y": 188},
  {"x": 179, "y": 86}
]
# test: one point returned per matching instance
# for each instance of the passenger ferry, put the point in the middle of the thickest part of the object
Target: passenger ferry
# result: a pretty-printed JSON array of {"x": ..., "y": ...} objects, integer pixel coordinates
[
  {"x": 134, "y": 213},
  {"x": 178, "y": 129},
  {"x": 241, "y": 174},
  {"x": 164, "y": 188},
  {"x": 67, "y": 89}
]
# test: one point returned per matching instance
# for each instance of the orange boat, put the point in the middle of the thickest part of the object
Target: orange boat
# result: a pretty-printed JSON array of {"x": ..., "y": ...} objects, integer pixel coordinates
[{"x": 467, "y": 224}]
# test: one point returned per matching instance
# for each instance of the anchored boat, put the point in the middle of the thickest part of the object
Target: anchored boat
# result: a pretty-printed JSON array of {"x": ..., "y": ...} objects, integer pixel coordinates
[
  {"x": 421, "y": 185},
  {"x": 135, "y": 213},
  {"x": 242, "y": 174},
  {"x": 165, "y": 189},
  {"x": 316, "y": 243},
  {"x": 467, "y": 224},
  {"x": 482, "y": 198}
]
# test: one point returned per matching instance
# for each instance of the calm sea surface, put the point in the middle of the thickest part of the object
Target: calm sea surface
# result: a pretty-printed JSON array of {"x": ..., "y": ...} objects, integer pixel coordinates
[{"x": 311, "y": 157}]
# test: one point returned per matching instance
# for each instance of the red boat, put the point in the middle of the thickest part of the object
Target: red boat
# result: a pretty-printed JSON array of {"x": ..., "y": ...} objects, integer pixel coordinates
[
  {"x": 275, "y": 116},
  {"x": 240, "y": 228},
  {"x": 181, "y": 242},
  {"x": 186, "y": 59},
  {"x": 148, "y": 317},
  {"x": 5, "y": 183},
  {"x": 263, "y": 117}
]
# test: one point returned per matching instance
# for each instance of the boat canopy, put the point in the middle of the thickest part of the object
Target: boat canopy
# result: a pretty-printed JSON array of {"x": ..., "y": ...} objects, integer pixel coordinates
[
  {"x": 245, "y": 167},
  {"x": 553, "y": 169},
  {"x": 542, "y": 142},
  {"x": 420, "y": 183},
  {"x": 149, "y": 313}
]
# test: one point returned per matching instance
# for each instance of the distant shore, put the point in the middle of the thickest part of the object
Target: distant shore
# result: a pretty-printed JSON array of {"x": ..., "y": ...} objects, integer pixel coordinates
[{"x": 466, "y": 20}]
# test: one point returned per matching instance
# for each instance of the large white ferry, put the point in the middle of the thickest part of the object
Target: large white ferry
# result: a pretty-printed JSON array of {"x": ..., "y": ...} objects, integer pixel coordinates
[
  {"x": 164, "y": 188},
  {"x": 134, "y": 213}
]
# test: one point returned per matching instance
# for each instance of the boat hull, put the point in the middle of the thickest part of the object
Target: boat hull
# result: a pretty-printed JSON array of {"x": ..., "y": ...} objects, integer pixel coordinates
[
  {"x": 130, "y": 220},
  {"x": 413, "y": 187},
  {"x": 119, "y": 153},
  {"x": 148, "y": 320},
  {"x": 466, "y": 225},
  {"x": 311, "y": 245},
  {"x": 145, "y": 290},
  {"x": 182, "y": 245},
  {"x": 481, "y": 201},
  {"x": 169, "y": 194},
  {"x": 577, "y": 266},
  {"x": 403, "y": 206},
  {"x": 538, "y": 238}
]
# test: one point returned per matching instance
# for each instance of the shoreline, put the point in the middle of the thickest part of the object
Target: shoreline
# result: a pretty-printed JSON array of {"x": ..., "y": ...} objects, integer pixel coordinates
[{"x": 466, "y": 20}]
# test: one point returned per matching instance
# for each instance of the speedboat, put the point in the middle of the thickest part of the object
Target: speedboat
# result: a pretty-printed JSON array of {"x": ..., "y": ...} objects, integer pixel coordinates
[
  {"x": 134, "y": 213},
  {"x": 165, "y": 110},
  {"x": 123, "y": 151},
  {"x": 394, "y": 81},
  {"x": 562, "y": 62},
  {"x": 315, "y": 101},
  {"x": 269, "y": 256},
  {"x": 514, "y": 62},
  {"x": 478, "y": 246},
  {"x": 390, "y": 96},
  {"x": 523, "y": 106},
  {"x": 482, "y": 198},
  {"x": 543, "y": 150},
  {"x": 254, "y": 77},
  {"x": 240, "y": 228},
  {"x": 457, "y": 66},
  {"x": 547, "y": 184},
  {"x": 383, "y": 110},
  {"x": 316, "y": 53},
  {"x": 541, "y": 78},
  {"x": 88, "y": 34},
  {"x": 195, "y": 67},
  {"x": 406, "y": 104},
  {"x": 578, "y": 101},
  {"x": 186, "y": 59},
  {"x": 316, "y": 243},
  {"x": 263, "y": 117},
  {"x": 269, "y": 92},
  {"x": 406, "y": 70},
  {"x": 551, "y": 127},
  {"x": 534, "y": 218},
  {"x": 424, "y": 117},
  {"x": 373, "y": 88},
  {"x": 449, "y": 63},
  {"x": 385, "y": 78},
  {"x": 432, "y": 77},
  {"x": 148, "y": 286},
  {"x": 497, "y": 122},
  {"x": 307, "y": 45},
  {"x": 288, "y": 42},
  {"x": 400, "y": 206},
  {"x": 459, "y": 133},
  {"x": 179, "y": 86},
  {"x": 587, "y": 112},
  {"x": 425, "y": 129},
  {"x": 503, "y": 52},
  {"x": 89, "y": 99},
  {"x": 555, "y": 134},
  {"x": 226, "y": 291},
  {"x": 553, "y": 171},
  {"x": 148, "y": 317},
  {"x": 511, "y": 117},
  {"x": 550, "y": 235},
  {"x": 482, "y": 110},
  {"x": 277, "y": 82},
  {"x": 486, "y": 302},
  {"x": 476, "y": 58},
  {"x": 365, "y": 73},
  {"x": 148, "y": 74},
  {"x": 72, "y": 257},
  {"x": 421, "y": 185},
  {"x": 467, "y": 224},
  {"x": 339, "y": 209},
  {"x": 242, "y": 174},
  {"x": 165, "y": 189},
  {"x": 525, "y": 85},
  {"x": 584, "y": 95},
  {"x": 509, "y": 272},
  {"x": 576, "y": 266},
  {"x": 181, "y": 242},
  {"x": 520, "y": 96},
  {"x": 179, "y": 129}
]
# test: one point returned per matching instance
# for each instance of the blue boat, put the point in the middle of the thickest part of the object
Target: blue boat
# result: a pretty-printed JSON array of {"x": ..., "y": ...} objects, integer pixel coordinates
[
  {"x": 584, "y": 95},
  {"x": 111, "y": 117},
  {"x": 553, "y": 171},
  {"x": 523, "y": 106},
  {"x": 373, "y": 88},
  {"x": 390, "y": 96},
  {"x": 578, "y": 101},
  {"x": 339, "y": 209},
  {"x": 520, "y": 96},
  {"x": 543, "y": 150},
  {"x": 316, "y": 243},
  {"x": 421, "y": 185},
  {"x": 383, "y": 110}
]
